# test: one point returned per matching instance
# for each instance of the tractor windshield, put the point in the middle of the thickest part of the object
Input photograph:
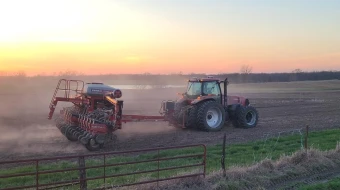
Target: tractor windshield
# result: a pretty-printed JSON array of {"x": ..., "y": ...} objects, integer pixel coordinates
[
  {"x": 197, "y": 88},
  {"x": 194, "y": 89},
  {"x": 211, "y": 88}
]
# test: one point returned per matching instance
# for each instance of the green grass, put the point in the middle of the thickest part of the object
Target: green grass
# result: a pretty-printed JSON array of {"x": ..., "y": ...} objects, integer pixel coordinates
[
  {"x": 236, "y": 154},
  {"x": 330, "y": 185}
]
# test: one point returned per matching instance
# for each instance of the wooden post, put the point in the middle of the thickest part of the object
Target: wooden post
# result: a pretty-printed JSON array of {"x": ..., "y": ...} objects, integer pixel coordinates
[
  {"x": 82, "y": 173},
  {"x": 158, "y": 168},
  {"x": 223, "y": 155},
  {"x": 306, "y": 137},
  {"x": 37, "y": 174},
  {"x": 306, "y": 140}
]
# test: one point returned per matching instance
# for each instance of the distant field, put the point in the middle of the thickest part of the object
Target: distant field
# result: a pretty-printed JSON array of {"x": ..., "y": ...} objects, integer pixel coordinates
[
  {"x": 46, "y": 85},
  {"x": 279, "y": 87}
]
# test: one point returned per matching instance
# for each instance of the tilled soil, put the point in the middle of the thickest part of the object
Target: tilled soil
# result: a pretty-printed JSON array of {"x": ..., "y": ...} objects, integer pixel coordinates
[{"x": 30, "y": 134}]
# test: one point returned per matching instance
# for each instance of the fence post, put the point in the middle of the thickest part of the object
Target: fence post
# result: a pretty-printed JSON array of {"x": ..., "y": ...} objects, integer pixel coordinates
[
  {"x": 37, "y": 174},
  {"x": 306, "y": 139},
  {"x": 158, "y": 168},
  {"x": 82, "y": 173},
  {"x": 223, "y": 155}
]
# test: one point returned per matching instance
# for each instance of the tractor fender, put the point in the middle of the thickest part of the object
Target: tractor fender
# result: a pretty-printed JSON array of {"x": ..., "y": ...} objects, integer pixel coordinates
[
  {"x": 183, "y": 101},
  {"x": 232, "y": 110},
  {"x": 233, "y": 107},
  {"x": 201, "y": 99},
  {"x": 238, "y": 100}
]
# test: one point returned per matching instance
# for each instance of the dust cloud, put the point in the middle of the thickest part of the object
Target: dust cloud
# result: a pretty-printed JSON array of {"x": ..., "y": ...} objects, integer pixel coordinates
[{"x": 25, "y": 129}]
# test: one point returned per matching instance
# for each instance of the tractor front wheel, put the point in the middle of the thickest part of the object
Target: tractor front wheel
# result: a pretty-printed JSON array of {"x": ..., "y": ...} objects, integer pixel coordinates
[
  {"x": 246, "y": 117},
  {"x": 210, "y": 116}
]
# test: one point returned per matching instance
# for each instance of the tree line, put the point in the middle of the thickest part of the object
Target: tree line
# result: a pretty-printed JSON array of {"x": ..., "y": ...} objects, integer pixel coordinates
[
  {"x": 273, "y": 77},
  {"x": 179, "y": 78},
  {"x": 281, "y": 77}
]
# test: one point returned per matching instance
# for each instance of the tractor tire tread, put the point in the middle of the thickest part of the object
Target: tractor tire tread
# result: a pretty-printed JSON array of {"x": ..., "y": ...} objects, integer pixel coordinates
[{"x": 191, "y": 121}]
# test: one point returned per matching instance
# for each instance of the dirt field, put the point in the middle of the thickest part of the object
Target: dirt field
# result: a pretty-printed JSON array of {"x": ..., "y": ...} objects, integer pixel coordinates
[{"x": 25, "y": 131}]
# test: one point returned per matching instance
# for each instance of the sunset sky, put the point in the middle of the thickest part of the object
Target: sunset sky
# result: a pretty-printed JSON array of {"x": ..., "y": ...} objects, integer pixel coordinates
[{"x": 166, "y": 36}]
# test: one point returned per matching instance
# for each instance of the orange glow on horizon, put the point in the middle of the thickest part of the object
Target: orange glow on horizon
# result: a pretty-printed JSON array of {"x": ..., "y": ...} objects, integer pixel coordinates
[
  {"x": 90, "y": 59},
  {"x": 102, "y": 37}
]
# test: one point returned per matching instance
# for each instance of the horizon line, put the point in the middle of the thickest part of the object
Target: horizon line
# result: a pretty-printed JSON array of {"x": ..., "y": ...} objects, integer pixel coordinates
[{"x": 74, "y": 73}]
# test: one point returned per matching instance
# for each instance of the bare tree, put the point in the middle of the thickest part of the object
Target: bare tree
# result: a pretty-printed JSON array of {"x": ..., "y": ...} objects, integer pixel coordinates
[
  {"x": 69, "y": 73},
  {"x": 297, "y": 71},
  {"x": 246, "y": 69},
  {"x": 294, "y": 76}
]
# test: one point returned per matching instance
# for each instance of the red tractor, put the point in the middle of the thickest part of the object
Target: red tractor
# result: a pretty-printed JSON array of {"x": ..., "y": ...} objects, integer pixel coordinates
[
  {"x": 206, "y": 106},
  {"x": 97, "y": 110}
]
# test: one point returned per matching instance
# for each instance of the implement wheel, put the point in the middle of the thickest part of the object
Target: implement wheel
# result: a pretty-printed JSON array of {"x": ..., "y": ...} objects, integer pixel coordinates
[
  {"x": 69, "y": 135},
  {"x": 210, "y": 116},
  {"x": 92, "y": 145}
]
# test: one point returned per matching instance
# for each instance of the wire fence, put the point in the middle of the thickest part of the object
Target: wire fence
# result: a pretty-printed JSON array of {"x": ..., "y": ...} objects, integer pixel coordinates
[
  {"x": 272, "y": 142},
  {"x": 269, "y": 146}
]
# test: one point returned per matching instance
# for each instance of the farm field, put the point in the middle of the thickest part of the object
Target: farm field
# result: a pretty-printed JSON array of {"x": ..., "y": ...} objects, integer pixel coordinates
[
  {"x": 277, "y": 161},
  {"x": 26, "y": 133}
]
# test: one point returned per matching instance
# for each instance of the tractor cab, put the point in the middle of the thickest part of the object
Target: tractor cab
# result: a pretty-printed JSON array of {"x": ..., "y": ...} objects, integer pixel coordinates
[{"x": 206, "y": 87}]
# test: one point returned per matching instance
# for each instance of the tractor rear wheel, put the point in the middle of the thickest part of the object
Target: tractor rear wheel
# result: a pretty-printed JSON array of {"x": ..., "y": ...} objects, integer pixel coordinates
[
  {"x": 188, "y": 113},
  {"x": 246, "y": 117},
  {"x": 191, "y": 117},
  {"x": 178, "y": 113},
  {"x": 210, "y": 116}
]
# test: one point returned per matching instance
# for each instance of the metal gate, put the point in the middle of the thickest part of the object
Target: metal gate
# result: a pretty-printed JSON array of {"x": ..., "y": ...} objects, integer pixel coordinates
[{"x": 105, "y": 170}]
